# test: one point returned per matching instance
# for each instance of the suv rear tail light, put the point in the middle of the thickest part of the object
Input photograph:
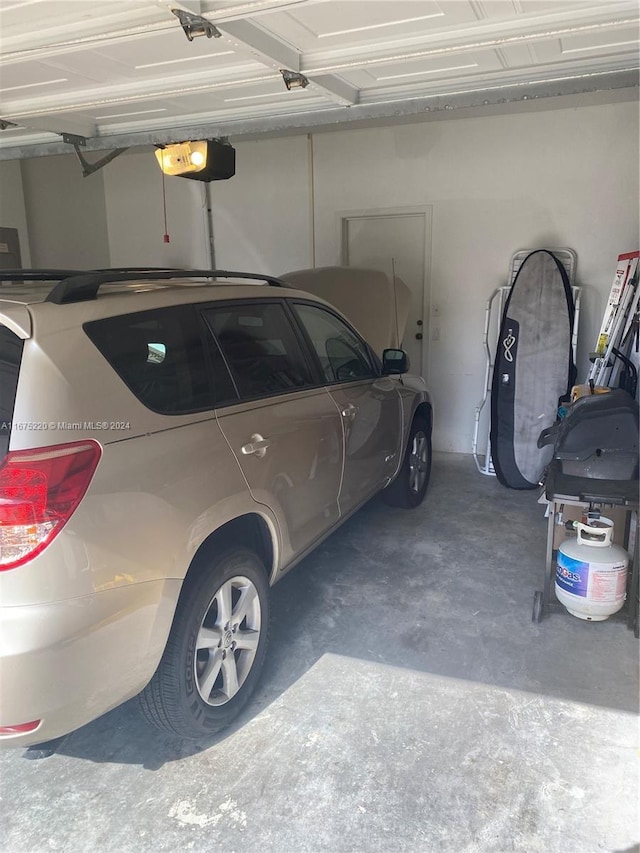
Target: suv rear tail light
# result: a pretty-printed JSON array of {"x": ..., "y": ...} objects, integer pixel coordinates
[
  {"x": 21, "y": 729},
  {"x": 39, "y": 491}
]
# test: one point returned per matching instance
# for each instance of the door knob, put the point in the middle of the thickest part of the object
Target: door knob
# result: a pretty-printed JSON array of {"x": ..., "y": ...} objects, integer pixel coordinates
[
  {"x": 349, "y": 412},
  {"x": 257, "y": 446}
]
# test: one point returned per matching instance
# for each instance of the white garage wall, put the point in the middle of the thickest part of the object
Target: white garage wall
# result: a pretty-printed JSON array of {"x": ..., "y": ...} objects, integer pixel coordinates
[
  {"x": 111, "y": 218},
  {"x": 563, "y": 177},
  {"x": 261, "y": 216},
  {"x": 496, "y": 184},
  {"x": 66, "y": 214},
  {"x": 12, "y": 209},
  {"x": 133, "y": 194}
]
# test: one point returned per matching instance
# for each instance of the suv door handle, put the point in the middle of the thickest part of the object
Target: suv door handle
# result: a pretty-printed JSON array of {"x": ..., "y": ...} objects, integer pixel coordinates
[
  {"x": 349, "y": 412},
  {"x": 258, "y": 446}
]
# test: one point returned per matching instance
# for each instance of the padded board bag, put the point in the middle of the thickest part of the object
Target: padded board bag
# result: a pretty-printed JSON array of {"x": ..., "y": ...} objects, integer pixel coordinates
[{"x": 533, "y": 368}]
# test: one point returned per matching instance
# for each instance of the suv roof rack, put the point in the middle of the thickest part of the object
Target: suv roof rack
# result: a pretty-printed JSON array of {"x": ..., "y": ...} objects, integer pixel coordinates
[
  {"x": 84, "y": 286},
  {"x": 36, "y": 275},
  {"x": 20, "y": 275}
]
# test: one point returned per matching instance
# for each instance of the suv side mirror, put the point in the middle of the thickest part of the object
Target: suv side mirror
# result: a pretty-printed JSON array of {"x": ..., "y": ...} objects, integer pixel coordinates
[{"x": 394, "y": 361}]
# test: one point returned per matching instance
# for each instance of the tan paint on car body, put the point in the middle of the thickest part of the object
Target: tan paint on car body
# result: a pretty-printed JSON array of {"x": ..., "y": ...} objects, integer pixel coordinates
[{"x": 86, "y": 621}]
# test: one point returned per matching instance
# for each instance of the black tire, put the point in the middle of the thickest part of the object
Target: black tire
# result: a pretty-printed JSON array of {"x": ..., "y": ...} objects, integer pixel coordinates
[
  {"x": 173, "y": 700},
  {"x": 405, "y": 491}
]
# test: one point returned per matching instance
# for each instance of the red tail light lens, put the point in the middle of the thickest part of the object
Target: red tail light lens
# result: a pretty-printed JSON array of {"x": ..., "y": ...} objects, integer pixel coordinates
[
  {"x": 39, "y": 491},
  {"x": 20, "y": 729}
]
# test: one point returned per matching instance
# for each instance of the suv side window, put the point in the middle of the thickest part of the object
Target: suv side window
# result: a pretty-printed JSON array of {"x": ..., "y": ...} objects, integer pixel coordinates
[
  {"x": 343, "y": 357},
  {"x": 160, "y": 355},
  {"x": 261, "y": 348}
]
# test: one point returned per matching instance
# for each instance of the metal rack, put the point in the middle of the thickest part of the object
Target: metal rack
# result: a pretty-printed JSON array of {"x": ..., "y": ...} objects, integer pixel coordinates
[{"x": 620, "y": 314}]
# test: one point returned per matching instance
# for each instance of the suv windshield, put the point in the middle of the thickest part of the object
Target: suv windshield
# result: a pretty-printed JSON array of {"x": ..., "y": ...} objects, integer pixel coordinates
[{"x": 10, "y": 356}]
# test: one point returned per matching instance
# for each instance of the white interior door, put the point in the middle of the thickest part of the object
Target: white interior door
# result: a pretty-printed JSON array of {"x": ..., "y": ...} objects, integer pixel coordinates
[{"x": 399, "y": 241}]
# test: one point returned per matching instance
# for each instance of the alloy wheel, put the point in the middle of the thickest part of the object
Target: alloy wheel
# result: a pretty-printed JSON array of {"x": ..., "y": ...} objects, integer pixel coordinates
[
  {"x": 418, "y": 462},
  {"x": 227, "y": 640}
]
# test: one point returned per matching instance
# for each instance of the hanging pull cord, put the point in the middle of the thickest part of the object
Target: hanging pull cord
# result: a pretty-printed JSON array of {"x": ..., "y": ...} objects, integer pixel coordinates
[{"x": 165, "y": 236}]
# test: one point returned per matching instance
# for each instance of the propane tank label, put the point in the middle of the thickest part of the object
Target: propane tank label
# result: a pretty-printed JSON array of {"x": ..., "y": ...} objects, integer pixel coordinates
[
  {"x": 572, "y": 575},
  {"x": 609, "y": 585}
]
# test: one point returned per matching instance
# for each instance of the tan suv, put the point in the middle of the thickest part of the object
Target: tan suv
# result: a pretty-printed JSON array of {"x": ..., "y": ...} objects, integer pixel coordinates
[{"x": 171, "y": 445}]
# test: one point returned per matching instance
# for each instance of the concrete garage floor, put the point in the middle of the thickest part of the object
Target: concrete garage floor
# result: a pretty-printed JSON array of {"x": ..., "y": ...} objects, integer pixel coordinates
[{"x": 409, "y": 704}]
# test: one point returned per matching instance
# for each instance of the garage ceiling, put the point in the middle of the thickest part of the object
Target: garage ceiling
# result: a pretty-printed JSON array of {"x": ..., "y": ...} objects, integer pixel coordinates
[{"x": 122, "y": 72}]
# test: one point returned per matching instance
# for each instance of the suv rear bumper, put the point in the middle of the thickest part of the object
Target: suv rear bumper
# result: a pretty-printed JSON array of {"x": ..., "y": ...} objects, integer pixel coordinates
[{"x": 66, "y": 663}]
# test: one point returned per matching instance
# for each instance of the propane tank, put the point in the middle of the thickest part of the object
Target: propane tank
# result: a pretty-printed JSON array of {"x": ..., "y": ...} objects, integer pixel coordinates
[{"x": 591, "y": 573}]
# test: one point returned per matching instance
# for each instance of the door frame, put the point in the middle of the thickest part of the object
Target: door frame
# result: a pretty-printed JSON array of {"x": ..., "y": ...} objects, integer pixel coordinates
[{"x": 426, "y": 210}]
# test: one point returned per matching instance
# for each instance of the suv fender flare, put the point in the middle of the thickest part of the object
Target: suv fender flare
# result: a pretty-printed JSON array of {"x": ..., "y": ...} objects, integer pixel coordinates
[
  {"x": 237, "y": 523},
  {"x": 421, "y": 405}
]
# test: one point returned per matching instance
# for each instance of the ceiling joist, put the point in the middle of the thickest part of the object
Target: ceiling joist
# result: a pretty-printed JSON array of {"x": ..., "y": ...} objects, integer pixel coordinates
[{"x": 249, "y": 37}]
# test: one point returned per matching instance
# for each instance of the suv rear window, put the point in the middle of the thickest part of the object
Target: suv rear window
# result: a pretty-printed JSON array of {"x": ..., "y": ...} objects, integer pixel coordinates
[
  {"x": 160, "y": 355},
  {"x": 10, "y": 357}
]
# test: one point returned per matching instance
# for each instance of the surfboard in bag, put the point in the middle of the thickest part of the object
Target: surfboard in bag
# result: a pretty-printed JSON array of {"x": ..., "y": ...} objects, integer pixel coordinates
[{"x": 533, "y": 368}]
